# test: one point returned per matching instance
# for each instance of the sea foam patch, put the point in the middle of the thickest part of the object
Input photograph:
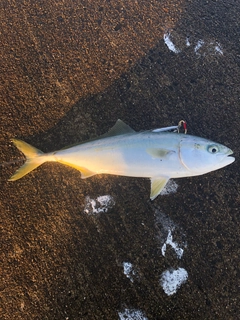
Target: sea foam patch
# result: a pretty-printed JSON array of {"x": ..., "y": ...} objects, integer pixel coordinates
[
  {"x": 172, "y": 279},
  {"x": 132, "y": 314},
  {"x": 98, "y": 205}
]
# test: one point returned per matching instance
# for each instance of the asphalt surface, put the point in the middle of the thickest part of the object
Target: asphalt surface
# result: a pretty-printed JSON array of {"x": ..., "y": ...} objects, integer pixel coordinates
[{"x": 68, "y": 71}]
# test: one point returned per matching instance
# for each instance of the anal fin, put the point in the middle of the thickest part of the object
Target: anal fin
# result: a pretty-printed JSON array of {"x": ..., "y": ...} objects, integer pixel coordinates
[
  {"x": 85, "y": 173},
  {"x": 157, "y": 184}
]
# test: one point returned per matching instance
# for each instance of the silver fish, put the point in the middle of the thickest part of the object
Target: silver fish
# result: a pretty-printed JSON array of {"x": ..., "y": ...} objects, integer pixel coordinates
[{"x": 156, "y": 154}]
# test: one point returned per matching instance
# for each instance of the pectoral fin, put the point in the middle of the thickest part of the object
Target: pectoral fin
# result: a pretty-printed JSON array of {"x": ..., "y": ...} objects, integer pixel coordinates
[
  {"x": 157, "y": 184},
  {"x": 159, "y": 153}
]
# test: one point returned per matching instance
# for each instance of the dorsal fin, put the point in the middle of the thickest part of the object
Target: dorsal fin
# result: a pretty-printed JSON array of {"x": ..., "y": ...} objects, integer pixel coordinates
[{"x": 119, "y": 128}]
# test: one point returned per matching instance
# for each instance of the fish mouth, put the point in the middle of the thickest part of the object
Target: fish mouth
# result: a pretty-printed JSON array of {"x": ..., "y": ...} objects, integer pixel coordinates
[{"x": 228, "y": 159}]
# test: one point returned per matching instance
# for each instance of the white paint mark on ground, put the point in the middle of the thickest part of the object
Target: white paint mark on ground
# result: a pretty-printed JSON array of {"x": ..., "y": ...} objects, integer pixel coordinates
[
  {"x": 199, "y": 44},
  {"x": 128, "y": 270},
  {"x": 167, "y": 230},
  {"x": 131, "y": 314},
  {"x": 166, "y": 227},
  {"x": 174, "y": 245},
  {"x": 172, "y": 279},
  {"x": 171, "y": 46},
  {"x": 170, "y": 187},
  {"x": 202, "y": 47},
  {"x": 163, "y": 222},
  {"x": 98, "y": 205},
  {"x": 218, "y": 49}
]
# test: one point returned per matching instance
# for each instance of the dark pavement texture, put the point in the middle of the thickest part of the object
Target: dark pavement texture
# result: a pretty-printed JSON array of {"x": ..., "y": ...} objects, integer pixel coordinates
[{"x": 69, "y": 70}]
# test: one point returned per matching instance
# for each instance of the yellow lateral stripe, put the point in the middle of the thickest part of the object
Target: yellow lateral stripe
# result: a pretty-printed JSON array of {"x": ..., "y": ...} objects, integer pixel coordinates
[{"x": 85, "y": 173}]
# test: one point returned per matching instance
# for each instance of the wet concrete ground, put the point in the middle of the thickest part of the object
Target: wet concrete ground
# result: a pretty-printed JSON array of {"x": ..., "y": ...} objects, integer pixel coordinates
[{"x": 68, "y": 72}]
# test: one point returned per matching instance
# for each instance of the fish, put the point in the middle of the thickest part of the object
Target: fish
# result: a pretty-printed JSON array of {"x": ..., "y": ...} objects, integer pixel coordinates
[{"x": 158, "y": 154}]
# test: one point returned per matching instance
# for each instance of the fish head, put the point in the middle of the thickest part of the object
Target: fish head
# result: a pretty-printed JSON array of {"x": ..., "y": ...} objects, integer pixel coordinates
[{"x": 199, "y": 155}]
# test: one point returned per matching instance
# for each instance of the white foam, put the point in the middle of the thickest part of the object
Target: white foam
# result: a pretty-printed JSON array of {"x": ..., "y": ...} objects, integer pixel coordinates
[
  {"x": 170, "y": 187},
  {"x": 98, "y": 205},
  {"x": 179, "y": 251},
  {"x": 128, "y": 270},
  {"x": 171, "y": 280},
  {"x": 131, "y": 314},
  {"x": 171, "y": 46}
]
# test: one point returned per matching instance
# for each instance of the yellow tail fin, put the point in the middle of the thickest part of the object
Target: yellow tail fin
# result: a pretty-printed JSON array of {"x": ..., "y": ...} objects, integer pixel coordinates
[{"x": 33, "y": 160}]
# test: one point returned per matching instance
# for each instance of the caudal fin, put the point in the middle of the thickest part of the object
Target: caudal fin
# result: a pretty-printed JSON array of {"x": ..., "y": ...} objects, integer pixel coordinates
[{"x": 33, "y": 160}]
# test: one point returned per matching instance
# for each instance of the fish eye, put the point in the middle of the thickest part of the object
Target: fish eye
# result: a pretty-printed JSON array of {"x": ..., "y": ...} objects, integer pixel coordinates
[{"x": 213, "y": 149}]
